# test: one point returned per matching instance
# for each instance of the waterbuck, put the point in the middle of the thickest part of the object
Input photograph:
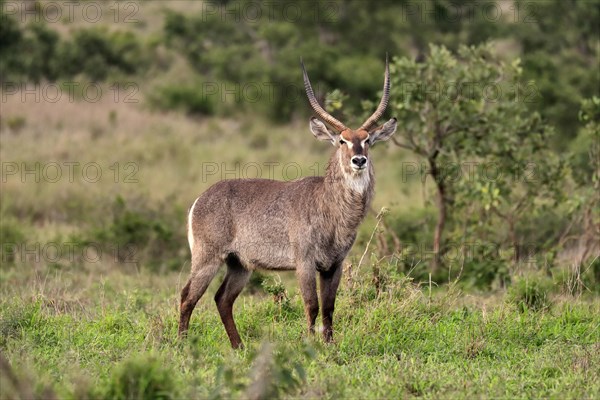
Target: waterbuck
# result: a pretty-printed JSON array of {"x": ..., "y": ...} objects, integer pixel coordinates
[{"x": 307, "y": 225}]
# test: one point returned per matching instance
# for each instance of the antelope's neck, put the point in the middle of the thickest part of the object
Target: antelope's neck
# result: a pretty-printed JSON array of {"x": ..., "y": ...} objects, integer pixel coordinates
[{"x": 347, "y": 195}]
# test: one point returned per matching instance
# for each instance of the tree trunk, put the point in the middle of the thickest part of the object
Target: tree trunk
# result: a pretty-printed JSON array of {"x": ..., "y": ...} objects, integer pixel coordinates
[
  {"x": 441, "y": 222},
  {"x": 515, "y": 242}
]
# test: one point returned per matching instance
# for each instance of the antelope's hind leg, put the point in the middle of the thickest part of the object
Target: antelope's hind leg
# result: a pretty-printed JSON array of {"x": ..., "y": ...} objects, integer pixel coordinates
[
  {"x": 202, "y": 274},
  {"x": 236, "y": 278}
]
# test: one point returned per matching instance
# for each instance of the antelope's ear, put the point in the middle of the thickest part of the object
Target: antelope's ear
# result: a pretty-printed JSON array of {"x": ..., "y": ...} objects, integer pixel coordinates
[
  {"x": 384, "y": 132},
  {"x": 320, "y": 131}
]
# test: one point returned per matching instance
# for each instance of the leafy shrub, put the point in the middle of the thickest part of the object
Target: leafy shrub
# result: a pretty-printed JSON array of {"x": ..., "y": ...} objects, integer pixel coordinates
[
  {"x": 414, "y": 227},
  {"x": 276, "y": 289},
  {"x": 16, "y": 123},
  {"x": 531, "y": 293},
  {"x": 142, "y": 235},
  {"x": 576, "y": 279},
  {"x": 39, "y": 53},
  {"x": 28, "y": 53},
  {"x": 408, "y": 237},
  {"x": 12, "y": 237},
  {"x": 595, "y": 274},
  {"x": 10, "y": 40},
  {"x": 97, "y": 53},
  {"x": 584, "y": 147},
  {"x": 483, "y": 272},
  {"x": 255, "y": 284},
  {"x": 541, "y": 230},
  {"x": 190, "y": 99},
  {"x": 275, "y": 372},
  {"x": 15, "y": 320},
  {"x": 36, "y": 52},
  {"x": 142, "y": 377}
]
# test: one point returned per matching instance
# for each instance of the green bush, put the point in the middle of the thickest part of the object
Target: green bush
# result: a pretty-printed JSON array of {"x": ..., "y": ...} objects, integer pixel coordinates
[
  {"x": 483, "y": 272},
  {"x": 414, "y": 227},
  {"x": 12, "y": 237},
  {"x": 141, "y": 235},
  {"x": 10, "y": 41},
  {"x": 531, "y": 293},
  {"x": 14, "y": 321},
  {"x": 276, "y": 372},
  {"x": 594, "y": 274},
  {"x": 39, "y": 53},
  {"x": 409, "y": 235},
  {"x": 16, "y": 123},
  {"x": 141, "y": 377},
  {"x": 255, "y": 284},
  {"x": 98, "y": 53},
  {"x": 585, "y": 147},
  {"x": 541, "y": 229},
  {"x": 29, "y": 53},
  {"x": 35, "y": 52},
  {"x": 276, "y": 288},
  {"x": 190, "y": 99}
]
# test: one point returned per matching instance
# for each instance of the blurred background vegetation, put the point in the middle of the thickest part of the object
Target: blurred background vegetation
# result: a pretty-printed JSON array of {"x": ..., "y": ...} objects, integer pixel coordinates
[
  {"x": 478, "y": 260},
  {"x": 508, "y": 84}
]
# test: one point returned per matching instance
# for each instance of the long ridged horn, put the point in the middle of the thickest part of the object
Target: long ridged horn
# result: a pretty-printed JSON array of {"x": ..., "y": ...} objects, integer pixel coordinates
[
  {"x": 325, "y": 116},
  {"x": 369, "y": 123}
]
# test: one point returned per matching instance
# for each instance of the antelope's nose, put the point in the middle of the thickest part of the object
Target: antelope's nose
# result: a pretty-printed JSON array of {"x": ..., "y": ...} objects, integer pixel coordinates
[{"x": 359, "y": 161}]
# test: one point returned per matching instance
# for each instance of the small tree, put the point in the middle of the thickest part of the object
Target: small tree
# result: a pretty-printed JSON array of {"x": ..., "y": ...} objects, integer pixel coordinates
[
  {"x": 462, "y": 112},
  {"x": 585, "y": 201}
]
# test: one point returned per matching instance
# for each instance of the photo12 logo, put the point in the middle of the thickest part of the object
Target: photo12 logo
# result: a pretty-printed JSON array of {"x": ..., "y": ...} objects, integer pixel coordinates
[
  {"x": 69, "y": 171},
  {"x": 89, "y": 92},
  {"x": 255, "y": 11},
  {"x": 289, "y": 171},
  {"x": 67, "y": 252},
  {"x": 471, "y": 171},
  {"x": 52, "y": 12},
  {"x": 459, "y": 253},
  {"x": 457, "y": 12},
  {"x": 489, "y": 91}
]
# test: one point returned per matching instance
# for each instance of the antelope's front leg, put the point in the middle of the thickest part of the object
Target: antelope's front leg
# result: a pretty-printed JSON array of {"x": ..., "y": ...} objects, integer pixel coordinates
[
  {"x": 330, "y": 280},
  {"x": 308, "y": 288}
]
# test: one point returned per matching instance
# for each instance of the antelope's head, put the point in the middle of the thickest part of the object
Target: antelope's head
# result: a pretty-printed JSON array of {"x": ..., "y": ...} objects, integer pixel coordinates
[{"x": 353, "y": 144}]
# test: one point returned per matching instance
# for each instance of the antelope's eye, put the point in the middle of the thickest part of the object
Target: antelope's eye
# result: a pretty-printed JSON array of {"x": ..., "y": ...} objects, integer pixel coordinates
[{"x": 342, "y": 141}]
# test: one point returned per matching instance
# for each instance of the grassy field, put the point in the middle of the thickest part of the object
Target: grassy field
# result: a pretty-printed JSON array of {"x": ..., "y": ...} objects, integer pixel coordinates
[
  {"x": 83, "y": 315},
  {"x": 76, "y": 334},
  {"x": 73, "y": 326}
]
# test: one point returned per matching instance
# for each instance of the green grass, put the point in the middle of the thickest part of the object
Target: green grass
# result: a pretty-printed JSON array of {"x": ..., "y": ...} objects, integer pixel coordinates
[
  {"x": 76, "y": 333},
  {"x": 74, "y": 328}
]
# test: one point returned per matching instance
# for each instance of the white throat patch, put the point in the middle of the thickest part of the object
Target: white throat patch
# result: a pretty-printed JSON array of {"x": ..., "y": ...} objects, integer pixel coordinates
[{"x": 357, "y": 181}]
